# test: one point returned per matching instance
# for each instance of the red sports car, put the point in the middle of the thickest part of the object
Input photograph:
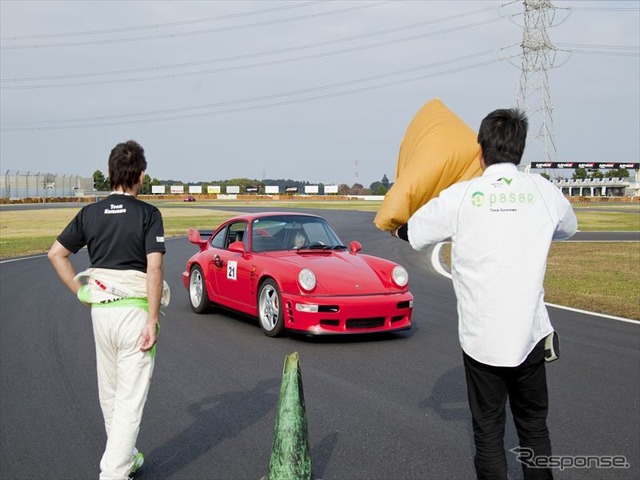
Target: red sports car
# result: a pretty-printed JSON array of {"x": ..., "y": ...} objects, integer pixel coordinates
[{"x": 292, "y": 272}]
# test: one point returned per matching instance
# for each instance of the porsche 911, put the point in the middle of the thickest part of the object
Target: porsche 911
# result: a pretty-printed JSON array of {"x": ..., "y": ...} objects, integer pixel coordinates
[{"x": 292, "y": 272}]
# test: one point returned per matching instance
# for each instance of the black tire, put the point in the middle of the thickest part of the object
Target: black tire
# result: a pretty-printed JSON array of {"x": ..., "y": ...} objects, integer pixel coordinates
[
  {"x": 270, "y": 311},
  {"x": 198, "y": 297}
]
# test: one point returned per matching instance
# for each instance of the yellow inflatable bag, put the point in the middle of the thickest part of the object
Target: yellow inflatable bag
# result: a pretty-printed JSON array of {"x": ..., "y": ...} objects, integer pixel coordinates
[{"x": 438, "y": 150}]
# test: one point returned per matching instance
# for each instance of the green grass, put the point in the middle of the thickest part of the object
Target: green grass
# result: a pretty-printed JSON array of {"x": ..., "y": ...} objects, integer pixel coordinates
[
  {"x": 17, "y": 247},
  {"x": 597, "y": 277},
  {"x": 599, "y": 221},
  {"x": 178, "y": 221}
]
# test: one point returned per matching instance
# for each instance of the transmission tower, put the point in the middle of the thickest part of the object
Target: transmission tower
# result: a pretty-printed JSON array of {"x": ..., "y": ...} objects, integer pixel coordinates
[{"x": 538, "y": 56}]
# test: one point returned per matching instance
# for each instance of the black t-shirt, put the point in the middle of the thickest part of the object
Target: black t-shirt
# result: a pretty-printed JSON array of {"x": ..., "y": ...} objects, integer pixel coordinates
[{"x": 118, "y": 231}]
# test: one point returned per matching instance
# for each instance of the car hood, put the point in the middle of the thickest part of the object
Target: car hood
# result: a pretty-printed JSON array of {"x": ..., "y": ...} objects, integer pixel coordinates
[{"x": 341, "y": 273}]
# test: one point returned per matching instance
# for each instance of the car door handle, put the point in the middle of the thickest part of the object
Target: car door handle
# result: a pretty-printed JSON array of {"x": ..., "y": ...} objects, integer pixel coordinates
[{"x": 217, "y": 261}]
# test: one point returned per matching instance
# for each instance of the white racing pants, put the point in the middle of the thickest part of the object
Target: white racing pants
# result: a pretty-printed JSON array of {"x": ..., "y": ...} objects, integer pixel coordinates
[{"x": 124, "y": 376}]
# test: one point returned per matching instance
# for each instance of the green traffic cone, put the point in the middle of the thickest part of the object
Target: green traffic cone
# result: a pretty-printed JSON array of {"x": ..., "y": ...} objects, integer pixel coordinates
[{"x": 290, "y": 454}]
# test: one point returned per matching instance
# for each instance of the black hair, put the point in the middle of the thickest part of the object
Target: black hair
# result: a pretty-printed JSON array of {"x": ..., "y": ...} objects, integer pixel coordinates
[
  {"x": 503, "y": 135},
  {"x": 126, "y": 163}
]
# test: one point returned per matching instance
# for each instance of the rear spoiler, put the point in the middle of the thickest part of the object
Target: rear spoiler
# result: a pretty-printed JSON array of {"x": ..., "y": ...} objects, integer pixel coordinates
[{"x": 195, "y": 237}]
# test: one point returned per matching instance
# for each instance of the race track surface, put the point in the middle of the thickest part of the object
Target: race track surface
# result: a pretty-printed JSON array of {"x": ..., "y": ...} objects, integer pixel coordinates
[{"x": 384, "y": 407}]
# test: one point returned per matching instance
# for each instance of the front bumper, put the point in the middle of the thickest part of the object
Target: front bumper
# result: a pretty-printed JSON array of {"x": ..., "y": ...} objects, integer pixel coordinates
[{"x": 348, "y": 314}]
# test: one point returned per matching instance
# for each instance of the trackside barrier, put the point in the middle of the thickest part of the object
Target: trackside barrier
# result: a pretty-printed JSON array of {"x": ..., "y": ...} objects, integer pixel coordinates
[{"x": 290, "y": 453}]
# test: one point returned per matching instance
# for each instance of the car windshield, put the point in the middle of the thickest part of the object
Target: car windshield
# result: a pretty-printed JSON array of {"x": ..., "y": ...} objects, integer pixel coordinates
[{"x": 293, "y": 232}]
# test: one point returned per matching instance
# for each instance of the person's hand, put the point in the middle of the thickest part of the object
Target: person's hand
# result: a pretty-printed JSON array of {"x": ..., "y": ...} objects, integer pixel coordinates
[
  {"x": 401, "y": 232},
  {"x": 148, "y": 336}
]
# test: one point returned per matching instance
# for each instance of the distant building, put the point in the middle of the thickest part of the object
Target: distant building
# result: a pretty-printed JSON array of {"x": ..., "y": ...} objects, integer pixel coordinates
[
  {"x": 598, "y": 187},
  {"x": 17, "y": 184}
]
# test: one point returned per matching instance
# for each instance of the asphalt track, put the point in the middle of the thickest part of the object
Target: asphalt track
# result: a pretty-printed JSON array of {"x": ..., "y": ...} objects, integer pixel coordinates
[{"x": 384, "y": 407}]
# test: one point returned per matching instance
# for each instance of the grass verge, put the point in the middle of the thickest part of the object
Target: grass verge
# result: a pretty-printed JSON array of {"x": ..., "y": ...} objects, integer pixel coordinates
[
  {"x": 595, "y": 220},
  {"x": 599, "y": 277}
]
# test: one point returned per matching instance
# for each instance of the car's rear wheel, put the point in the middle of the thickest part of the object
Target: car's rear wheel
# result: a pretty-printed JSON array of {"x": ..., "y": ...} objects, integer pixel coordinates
[
  {"x": 270, "y": 309},
  {"x": 198, "y": 297}
]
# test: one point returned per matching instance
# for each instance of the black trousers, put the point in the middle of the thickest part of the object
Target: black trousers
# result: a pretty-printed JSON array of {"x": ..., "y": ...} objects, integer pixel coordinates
[{"x": 526, "y": 388}]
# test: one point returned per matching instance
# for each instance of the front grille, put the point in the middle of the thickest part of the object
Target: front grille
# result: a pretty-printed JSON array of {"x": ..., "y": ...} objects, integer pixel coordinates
[{"x": 373, "y": 322}]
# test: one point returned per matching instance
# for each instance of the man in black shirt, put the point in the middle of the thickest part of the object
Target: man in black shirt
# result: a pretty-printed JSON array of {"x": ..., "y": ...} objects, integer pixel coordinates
[{"x": 124, "y": 237}]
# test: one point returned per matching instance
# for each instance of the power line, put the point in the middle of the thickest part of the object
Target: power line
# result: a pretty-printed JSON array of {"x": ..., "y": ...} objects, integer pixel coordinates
[
  {"x": 194, "y": 32},
  {"x": 178, "y": 113},
  {"x": 618, "y": 50},
  {"x": 241, "y": 67},
  {"x": 248, "y": 55},
  {"x": 273, "y": 96},
  {"x": 605, "y": 54},
  {"x": 612, "y": 47},
  {"x": 282, "y": 99},
  {"x": 160, "y": 25},
  {"x": 604, "y": 9}
]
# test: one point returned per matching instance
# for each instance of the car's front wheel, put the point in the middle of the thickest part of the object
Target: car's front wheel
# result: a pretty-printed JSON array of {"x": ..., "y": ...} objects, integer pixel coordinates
[
  {"x": 270, "y": 309},
  {"x": 198, "y": 297}
]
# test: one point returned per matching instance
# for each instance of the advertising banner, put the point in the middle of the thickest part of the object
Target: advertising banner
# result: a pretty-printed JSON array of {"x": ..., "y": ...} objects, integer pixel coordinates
[{"x": 598, "y": 165}]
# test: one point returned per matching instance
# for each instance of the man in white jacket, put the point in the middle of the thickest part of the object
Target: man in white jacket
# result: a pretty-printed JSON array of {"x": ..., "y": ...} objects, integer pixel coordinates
[
  {"x": 124, "y": 237},
  {"x": 501, "y": 226}
]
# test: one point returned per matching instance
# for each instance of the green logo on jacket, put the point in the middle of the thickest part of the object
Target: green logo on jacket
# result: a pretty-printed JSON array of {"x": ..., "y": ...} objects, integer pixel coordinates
[{"x": 477, "y": 199}]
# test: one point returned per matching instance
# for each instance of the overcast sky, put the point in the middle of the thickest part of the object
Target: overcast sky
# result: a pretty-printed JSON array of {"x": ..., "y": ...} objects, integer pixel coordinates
[{"x": 321, "y": 91}]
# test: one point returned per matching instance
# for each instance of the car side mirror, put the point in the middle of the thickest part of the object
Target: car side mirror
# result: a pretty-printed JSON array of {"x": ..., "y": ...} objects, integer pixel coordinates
[
  {"x": 354, "y": 247},
  {"x": 237, "y": 247}
]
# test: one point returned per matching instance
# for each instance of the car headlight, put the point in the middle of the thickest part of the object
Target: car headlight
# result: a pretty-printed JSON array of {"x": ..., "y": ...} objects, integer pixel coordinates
[
  {"x": 400, "y": 276},
  {"x": 307, "y": 279}
]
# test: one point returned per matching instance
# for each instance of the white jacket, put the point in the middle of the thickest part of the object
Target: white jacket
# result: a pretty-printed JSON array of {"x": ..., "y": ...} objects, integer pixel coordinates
[{"x": 501, "y": 226}]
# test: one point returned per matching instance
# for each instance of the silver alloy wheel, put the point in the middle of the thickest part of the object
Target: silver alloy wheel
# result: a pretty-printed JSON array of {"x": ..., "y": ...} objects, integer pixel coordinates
[
  {"x": 198, "y": 295},
  {"x": 269, "y": 307},
  {"x": 196, "y": 287}
]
